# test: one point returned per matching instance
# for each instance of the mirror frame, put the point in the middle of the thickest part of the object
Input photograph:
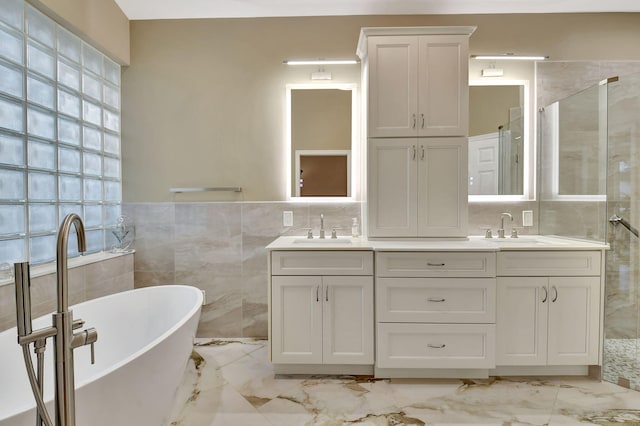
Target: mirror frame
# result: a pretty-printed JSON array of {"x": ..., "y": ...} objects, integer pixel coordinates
[
  {"x": 356, "y": 155},
  {"x": 528, "y": 172}
]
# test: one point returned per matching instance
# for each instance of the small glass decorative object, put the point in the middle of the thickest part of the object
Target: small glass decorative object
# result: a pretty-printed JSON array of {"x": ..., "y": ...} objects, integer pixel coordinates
[
  {"x": 6, "y": 271},
  {"x": 124, "y": 233}
]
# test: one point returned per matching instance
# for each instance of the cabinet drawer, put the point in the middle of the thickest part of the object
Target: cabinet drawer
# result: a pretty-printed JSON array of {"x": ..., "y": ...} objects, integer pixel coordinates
[
  {"x": 436, "y": 264},
  {"x": 445, "y": 300},
  {"x": 436, "y": 345},
  {"x": 322, "y": 262},
  {"x": 549, "y": 263}
]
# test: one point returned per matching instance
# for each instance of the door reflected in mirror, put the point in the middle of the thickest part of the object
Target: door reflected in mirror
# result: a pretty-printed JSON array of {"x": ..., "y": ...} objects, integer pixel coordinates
[
  {"x": 321, "y": 129},
  {"x": 497, "y": 138},
  {"x": 323, "y": 173}
]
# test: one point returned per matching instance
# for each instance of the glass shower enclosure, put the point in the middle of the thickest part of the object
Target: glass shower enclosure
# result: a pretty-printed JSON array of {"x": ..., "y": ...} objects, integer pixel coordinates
[{"x": 589, "y": 188}]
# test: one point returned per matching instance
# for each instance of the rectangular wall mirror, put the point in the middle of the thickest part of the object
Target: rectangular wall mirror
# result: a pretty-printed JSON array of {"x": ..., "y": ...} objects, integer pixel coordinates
[
  {"x": 322, "y": 132},
  {"x": 498, "y": 138}
]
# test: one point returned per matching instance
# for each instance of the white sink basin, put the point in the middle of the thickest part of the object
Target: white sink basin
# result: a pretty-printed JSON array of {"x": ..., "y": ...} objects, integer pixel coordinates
[
  {"x": 321, "y": 241},
  {"x": 528, "y": 240}
]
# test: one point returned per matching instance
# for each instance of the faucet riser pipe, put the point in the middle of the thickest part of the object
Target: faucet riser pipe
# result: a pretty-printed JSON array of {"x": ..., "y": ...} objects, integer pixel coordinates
[{"x": 65, "y": 391}]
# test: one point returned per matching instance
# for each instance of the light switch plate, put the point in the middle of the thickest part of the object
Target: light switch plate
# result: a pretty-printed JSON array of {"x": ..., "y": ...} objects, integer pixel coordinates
[
  {"x": 287, "y": 218},
  {"x": 527, "y": 218}
]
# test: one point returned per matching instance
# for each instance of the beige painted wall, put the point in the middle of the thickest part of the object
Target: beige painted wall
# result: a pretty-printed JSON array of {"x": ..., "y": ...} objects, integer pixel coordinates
[
  {"x": 204, "y": 100},
  {"x": 102, "y": 22}
]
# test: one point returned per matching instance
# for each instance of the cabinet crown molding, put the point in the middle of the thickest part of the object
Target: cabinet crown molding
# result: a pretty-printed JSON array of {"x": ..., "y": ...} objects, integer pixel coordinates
[{"x": 387, "y": 31}]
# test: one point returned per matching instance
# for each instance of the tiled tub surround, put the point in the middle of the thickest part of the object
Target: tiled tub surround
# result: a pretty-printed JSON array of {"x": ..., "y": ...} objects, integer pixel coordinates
[
  {"x": 105, "y": 274},
  {"x": 219, "y": 247}
]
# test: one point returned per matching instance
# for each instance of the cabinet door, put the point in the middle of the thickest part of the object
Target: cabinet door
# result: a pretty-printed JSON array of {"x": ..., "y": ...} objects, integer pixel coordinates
[
  {"x": 443, "y": 83},
  {"x": 393, "y": 86},
  {"x": 348, "y": 320},
  {"x": 392, "y": 193},
  {"x": 442, "y": 187},
  {"x": 574, "y": 318},
  {"x": 521, "y": 323},
  {"x": 296, "y": 319}
]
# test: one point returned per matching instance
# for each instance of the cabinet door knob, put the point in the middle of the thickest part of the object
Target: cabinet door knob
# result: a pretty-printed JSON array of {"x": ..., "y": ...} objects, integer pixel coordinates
[
  {"x": 440, "y": 346},
  {"x": 546, "y": 294},
  {"x": 555, "y": 293}
]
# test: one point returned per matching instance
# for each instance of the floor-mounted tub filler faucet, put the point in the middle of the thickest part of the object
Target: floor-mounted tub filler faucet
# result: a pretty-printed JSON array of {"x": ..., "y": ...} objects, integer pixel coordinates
[{"x": 65, "y": 339}]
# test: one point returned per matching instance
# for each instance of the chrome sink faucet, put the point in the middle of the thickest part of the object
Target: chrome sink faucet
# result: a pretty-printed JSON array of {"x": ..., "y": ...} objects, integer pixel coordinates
[
  {"x": 501, "y": 230},
  {"x": 62, "y": 331}
]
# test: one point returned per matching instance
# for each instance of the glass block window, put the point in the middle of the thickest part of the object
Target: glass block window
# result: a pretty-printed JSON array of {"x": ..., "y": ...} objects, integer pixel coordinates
[{"x": 59, "y": 136}]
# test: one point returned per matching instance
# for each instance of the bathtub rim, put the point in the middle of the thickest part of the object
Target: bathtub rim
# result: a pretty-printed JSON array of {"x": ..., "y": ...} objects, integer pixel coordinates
[{"x": 134, "y": 355}]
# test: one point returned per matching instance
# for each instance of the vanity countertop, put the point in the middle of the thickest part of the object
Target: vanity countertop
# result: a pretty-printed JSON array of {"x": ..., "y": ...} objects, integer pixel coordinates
[{"x": 472, "y": 243}]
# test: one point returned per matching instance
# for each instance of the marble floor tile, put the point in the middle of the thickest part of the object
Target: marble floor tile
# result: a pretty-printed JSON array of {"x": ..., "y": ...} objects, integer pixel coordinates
[{"x": 231, "y": 382}]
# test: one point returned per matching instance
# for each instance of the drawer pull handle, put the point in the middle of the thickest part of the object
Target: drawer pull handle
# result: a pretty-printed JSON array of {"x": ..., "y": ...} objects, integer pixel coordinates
[
  {"x": 326, "y": 294},
  {"x": 435, "y": 300},
  {"x": 546, "y": 294},
  {"x": 555, "y": 292},
  {"x": 435, "y": 264},
  {"x": 432, "y": 346},
  {"x": 317, "y": 293}
]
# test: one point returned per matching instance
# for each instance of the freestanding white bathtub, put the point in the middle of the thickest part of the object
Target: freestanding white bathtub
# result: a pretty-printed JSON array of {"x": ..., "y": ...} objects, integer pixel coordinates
[{"x": 145, "y": 338}]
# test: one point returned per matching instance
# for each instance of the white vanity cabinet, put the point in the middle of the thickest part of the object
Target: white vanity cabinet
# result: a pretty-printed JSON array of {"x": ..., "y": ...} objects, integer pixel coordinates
[
  {"x": 417, "y": 187},
  {"x": 321, "y": 309},
  {"x": 434, "y": 310},
  {"x": 548, "y": 308},
  {"x": 418, "y": 85}
]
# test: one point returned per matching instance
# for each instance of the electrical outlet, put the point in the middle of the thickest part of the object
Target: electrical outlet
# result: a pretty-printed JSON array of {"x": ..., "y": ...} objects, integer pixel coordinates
[
  {"x": 287, "y": 218},
  {"x": 204, "y": 297},
  {"x": 527, "y": 218}
]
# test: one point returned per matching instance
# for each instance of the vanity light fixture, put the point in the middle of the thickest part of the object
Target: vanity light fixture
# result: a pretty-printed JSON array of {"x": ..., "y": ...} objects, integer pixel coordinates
[
  {"x": 510, "y": 56},
  {"x": 322, "y": 62}
]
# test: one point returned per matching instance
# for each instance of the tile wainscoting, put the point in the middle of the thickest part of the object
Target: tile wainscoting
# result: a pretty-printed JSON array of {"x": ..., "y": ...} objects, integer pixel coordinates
[
  {"x": 112, "y": 275},
  {"x": 219, "y": 247}
]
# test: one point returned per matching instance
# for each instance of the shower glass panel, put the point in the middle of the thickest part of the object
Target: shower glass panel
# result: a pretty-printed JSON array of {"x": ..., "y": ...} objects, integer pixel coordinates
[
  {"x": 621, "y": 326},
  {"x": 573, "y": 165},
  {"x": 590, "y": 188}
]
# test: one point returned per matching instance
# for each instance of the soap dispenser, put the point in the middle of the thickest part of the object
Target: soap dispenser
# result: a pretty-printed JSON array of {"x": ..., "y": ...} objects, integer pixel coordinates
[{"x": 355, "y": 228}]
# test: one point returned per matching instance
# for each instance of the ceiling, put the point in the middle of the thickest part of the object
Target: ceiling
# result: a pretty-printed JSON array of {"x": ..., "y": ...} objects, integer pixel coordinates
[{"x": 180, "y": 9}]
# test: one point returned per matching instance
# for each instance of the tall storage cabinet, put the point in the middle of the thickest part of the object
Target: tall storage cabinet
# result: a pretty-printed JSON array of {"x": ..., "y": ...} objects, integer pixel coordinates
[
  {"x": 418, "y": 85},
  {"x": 416, "y": 80},
  {"x": 410, "y": 173}
]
